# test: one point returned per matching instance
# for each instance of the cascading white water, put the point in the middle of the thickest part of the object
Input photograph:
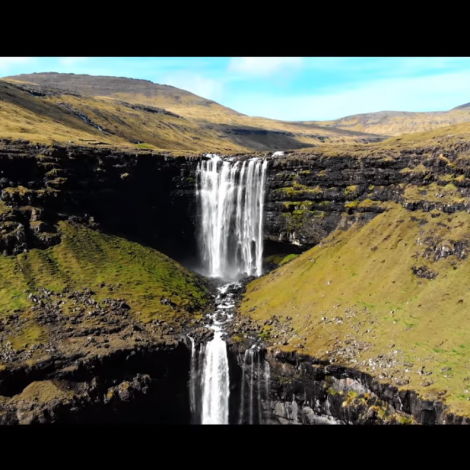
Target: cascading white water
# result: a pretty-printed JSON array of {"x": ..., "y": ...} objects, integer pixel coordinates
[
  {"x": 231, "y": 199},
  {"x": 192, "y": 381},
  {"x": 215, "y": 382},
  {"x": 254, "y": 387},
  {"x": 209, "y": 384}
]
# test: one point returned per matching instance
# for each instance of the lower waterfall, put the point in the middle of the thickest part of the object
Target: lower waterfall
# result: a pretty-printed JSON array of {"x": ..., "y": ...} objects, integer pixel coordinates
[
  {"x": 216, "y": 382},
  {"x": 254, "y": 388},
  {"x": 209, "y": 383}
]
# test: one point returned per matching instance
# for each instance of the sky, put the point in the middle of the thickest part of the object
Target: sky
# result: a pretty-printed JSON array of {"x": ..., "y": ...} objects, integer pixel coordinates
[{"x": 286, "y": 88}]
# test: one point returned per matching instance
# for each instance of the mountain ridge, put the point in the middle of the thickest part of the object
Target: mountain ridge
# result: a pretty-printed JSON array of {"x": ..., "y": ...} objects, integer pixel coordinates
[
  {"x": 382, "y": 124},
  {"x": 157, "y": 116}
]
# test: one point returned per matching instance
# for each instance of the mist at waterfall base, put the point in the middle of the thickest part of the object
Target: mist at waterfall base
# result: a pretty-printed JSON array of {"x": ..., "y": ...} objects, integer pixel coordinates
[{"x": 230, "y": 198}]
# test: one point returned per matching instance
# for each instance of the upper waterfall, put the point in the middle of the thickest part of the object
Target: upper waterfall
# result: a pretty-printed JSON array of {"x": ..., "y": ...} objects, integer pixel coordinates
[{"x": 231, "y": 198}]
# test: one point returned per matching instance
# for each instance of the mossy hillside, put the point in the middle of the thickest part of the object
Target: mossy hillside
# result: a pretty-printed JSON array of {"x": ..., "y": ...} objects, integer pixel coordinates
[
  {"x": 357, "y": 290},
  {"x": 434, "y": 193},
  {"x": 63, "y": 117},
  {"x": 298, "y": 190},
  {"x": 280, "y": 260},
  {"x": 87, "y": 258}
]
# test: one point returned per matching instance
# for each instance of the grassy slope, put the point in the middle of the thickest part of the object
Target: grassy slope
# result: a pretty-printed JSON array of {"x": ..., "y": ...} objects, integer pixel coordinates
[
  {"x": 205, "y": 119},
  {"x": 393, "y": 124},
  {"x": 27, "y": 117},
  {"x": 44, "y": 120},
  {"x": 363, "y": 275},
  {"x": 86, "y": 258},
  {"x": 217, "y": 114},
  {"x": 443, "y": 138},
  {"x": 202, "y": 112}
]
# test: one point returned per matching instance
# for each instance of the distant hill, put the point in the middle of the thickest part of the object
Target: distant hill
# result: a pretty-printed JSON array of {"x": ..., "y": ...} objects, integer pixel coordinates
[
  {"x": 160, "y": 116},
  {"x": 394, "y": 123},
  {"x": 462, "y": 106}
]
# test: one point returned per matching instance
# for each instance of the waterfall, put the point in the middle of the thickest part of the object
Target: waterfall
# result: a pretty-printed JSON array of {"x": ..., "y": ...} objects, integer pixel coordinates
[
  {"x": 215, "y": 383},
  {"x": 195, "y": 380},
  {"x": 231, "y": 197},
  {"x": 254, "y": 387},
  {"x": 192, "y": 380},
  {"x": 209, "y": 383},
  {"x": 231, "y": 200}
]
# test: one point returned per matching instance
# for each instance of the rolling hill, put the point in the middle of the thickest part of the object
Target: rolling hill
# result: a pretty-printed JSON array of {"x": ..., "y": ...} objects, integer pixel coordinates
[
  {"x": 123, "y": 111},
  {"x": 395, "y": 123}
]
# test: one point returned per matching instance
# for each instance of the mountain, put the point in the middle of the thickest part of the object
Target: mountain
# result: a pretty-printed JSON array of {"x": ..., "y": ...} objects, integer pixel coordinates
[
  {"x": 158, "y": 116},
  {"x": 129, "y": 90}
]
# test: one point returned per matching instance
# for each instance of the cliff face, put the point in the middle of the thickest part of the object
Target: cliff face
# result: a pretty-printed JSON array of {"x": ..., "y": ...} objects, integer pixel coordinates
[
  {"x": 310, "y": 196},
  {"x": 140, "y": 196},
  {"x": 128, "y": 384},
  {"x": 306, "y": 391},
  {"x": 290, "y": 388},
  {"x": 150, "y": 197}
]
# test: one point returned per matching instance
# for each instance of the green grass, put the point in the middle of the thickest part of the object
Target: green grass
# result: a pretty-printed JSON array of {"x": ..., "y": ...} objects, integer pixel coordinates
[
  {"x": 280, "y": 260},
  {"x": 352, "y": 204},
  {"x": 366, "y": 270},
  {"x": 448, "y": 194},
  {"x": 294, "y": 206},
  {"x": 299, "y": 190},
  {"x": 350, "y": 189},
  {"x": 3, "y": 208},
  {"x": 86, "y": 258}
]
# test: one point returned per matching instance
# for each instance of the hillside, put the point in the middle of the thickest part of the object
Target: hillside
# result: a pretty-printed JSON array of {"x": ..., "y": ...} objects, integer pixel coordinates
[
  {"x": 126, "y": 89},
  {"x": 45, "y": 115},
  {"x": 162, "y": 116},
  {"x": 359, "y": 299},
  {"x": 394, "y": 123}
]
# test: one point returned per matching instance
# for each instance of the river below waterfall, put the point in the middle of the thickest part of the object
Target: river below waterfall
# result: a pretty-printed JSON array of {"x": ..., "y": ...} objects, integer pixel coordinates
[
  {"x": 209, "y": 382},
  {"x": 210, "y": 374}
]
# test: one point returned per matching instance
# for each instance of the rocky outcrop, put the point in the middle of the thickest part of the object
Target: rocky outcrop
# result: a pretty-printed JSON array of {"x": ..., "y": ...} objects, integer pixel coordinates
[
  {"x": 289, "y": 388},
  {"x": 97, "y": 361},
  {"x": 306, "y": 391}
]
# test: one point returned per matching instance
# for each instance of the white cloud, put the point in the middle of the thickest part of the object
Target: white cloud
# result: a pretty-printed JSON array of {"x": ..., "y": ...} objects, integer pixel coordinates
[
  {"x": 7, "y": 62},
  {"x": 432, "y": 93},
  {"x": 68, "y": 61},
  {"x": 263, "y": 66},
  {"x": 206, "y": 87}
]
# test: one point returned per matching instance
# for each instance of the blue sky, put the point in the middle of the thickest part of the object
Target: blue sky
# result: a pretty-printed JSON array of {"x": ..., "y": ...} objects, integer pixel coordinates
[{"x": 289, "y": 88}]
